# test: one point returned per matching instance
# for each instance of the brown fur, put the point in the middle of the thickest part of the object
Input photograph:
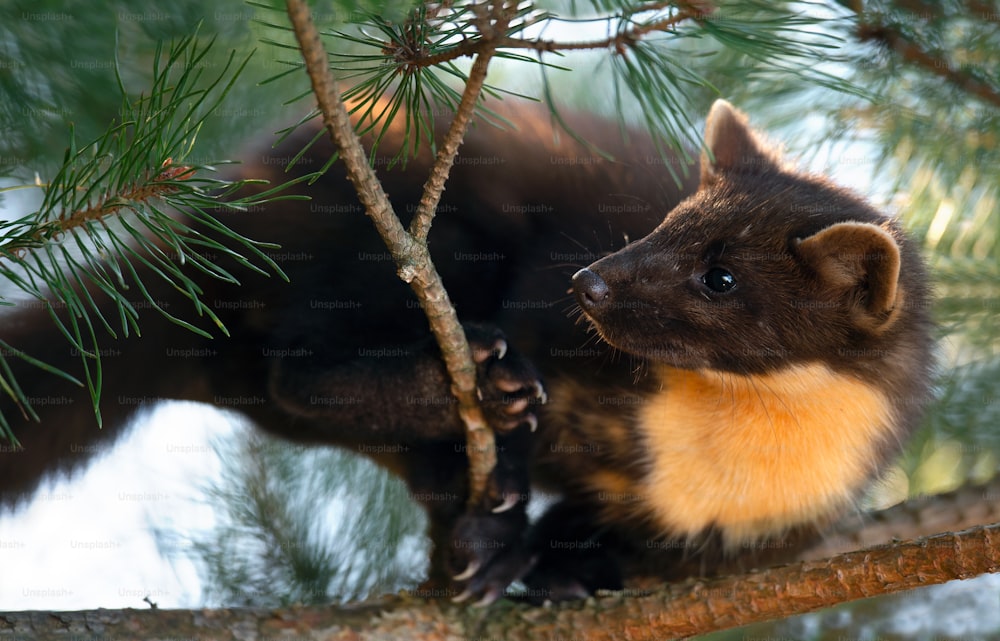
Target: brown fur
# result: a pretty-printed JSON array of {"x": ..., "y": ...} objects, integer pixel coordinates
[
  {"x": 775, "y": 402},
  {"x": 727, "y": 416}
]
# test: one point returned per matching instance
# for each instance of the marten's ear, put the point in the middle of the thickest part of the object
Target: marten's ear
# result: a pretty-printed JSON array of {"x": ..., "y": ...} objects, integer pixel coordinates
[
  {"x": 730, "y": 144},
  {"x": 861, "y": 261}
]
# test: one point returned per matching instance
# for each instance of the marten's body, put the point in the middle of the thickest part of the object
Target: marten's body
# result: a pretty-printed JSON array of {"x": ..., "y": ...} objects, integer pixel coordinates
[{"x": 770, "y": 346}]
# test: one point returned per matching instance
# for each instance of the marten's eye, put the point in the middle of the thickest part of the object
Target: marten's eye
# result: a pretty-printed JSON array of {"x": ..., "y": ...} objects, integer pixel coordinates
[{"x": 719, "y": 280}]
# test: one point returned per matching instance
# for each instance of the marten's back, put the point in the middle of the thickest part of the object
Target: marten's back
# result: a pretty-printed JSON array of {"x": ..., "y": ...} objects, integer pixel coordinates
[{"x": 521, "y": 213}]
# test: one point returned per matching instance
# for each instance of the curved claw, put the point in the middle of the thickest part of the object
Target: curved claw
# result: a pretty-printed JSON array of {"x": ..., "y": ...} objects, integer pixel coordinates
[
  {"x": 532, "y": 421},
  {"x": 464, "y": 596},
  {"x": 467, "y": 573},
  {"x": 497, "y": 349},
  {"x": 540, "y": 393},
  {"x": 509, "y": 501},
  {"x": 490, "y": 597}
]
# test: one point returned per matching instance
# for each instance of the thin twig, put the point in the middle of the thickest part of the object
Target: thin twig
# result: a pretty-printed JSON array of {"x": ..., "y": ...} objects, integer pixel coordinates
[
  {"x": 421, "y": 223},
  {"x": 618, "y": 42},
  {"x": 411, "y": 255},
  {"x": 109, "y": 205}
]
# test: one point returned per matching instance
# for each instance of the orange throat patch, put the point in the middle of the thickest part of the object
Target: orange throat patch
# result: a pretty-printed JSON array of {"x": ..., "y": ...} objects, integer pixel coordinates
[{"x": 755, "y": 455}]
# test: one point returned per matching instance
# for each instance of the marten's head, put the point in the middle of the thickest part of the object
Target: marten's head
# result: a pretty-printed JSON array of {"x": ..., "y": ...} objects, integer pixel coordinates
[{"x": 762, "y": 268}]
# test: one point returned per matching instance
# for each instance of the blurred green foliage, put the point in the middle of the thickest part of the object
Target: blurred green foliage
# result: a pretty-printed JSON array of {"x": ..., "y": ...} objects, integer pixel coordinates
[{"x": 306, "y": 525}]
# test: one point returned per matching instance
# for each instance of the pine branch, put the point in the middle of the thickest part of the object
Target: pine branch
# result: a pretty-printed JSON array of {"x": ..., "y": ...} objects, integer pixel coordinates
[
  {"x": 964, "y": 508},
  {"x": 421, "y": 223},
  {"x": 619, "y": 42},
  {"x": 408, "y": 250},
  {"x": 139, "y": 194},
  {"x": 915, "y": 55},
  {"x": 985, "y": 11},
  {"x": 112, "y": 204},
  {"x": 676, "y": 610},
  {"x": 406, "y": 64}
]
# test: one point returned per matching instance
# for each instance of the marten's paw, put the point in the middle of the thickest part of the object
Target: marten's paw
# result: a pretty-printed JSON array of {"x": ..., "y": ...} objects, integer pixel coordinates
[
  {"x": 487, "y": 542},
  {"x": 488, "y": 551},
  {"x": 509, "y": 386},
  {"x": 573, "y": 558},
  {"x": 488, "y": 555},
  {"x": 570, "y": 575}
]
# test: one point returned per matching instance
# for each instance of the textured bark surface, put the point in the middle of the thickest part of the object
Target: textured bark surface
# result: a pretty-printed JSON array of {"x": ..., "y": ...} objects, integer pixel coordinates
[
  {"x": 677, "y": 610},
  {"x": 961, "y": 509},
  {"x": 409, "y": 251}
]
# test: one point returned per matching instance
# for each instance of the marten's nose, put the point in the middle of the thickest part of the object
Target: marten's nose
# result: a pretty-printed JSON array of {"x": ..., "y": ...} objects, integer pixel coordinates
[{"x": 590, "y": 289}]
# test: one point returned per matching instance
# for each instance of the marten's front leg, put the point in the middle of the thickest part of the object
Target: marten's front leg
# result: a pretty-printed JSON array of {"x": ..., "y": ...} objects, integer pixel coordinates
[{"x": 399, "y": 398}]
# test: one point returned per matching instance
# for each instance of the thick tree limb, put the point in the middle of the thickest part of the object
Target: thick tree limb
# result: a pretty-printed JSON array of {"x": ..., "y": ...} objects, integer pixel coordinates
[
  {"x": 409, "y": 250},
  {"x": 966, "y": 507},
  {"x": 677, "y": 610}
]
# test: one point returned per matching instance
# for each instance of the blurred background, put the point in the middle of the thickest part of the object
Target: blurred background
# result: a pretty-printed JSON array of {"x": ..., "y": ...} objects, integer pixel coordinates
[{"x": 899, "y": 100}]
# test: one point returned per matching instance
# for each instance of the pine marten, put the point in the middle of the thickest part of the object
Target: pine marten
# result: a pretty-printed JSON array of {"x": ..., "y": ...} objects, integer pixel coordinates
[
  {"x": 741, "y": 368},
  {"x": 783, "y": 327}
]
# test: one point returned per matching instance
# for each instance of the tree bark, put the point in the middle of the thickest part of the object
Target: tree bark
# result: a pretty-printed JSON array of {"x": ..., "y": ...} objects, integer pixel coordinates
[
  {"x": 675, "y": 610},
  {"x": 966, "y": 507},
  {"x": 409, "y": 250}
]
